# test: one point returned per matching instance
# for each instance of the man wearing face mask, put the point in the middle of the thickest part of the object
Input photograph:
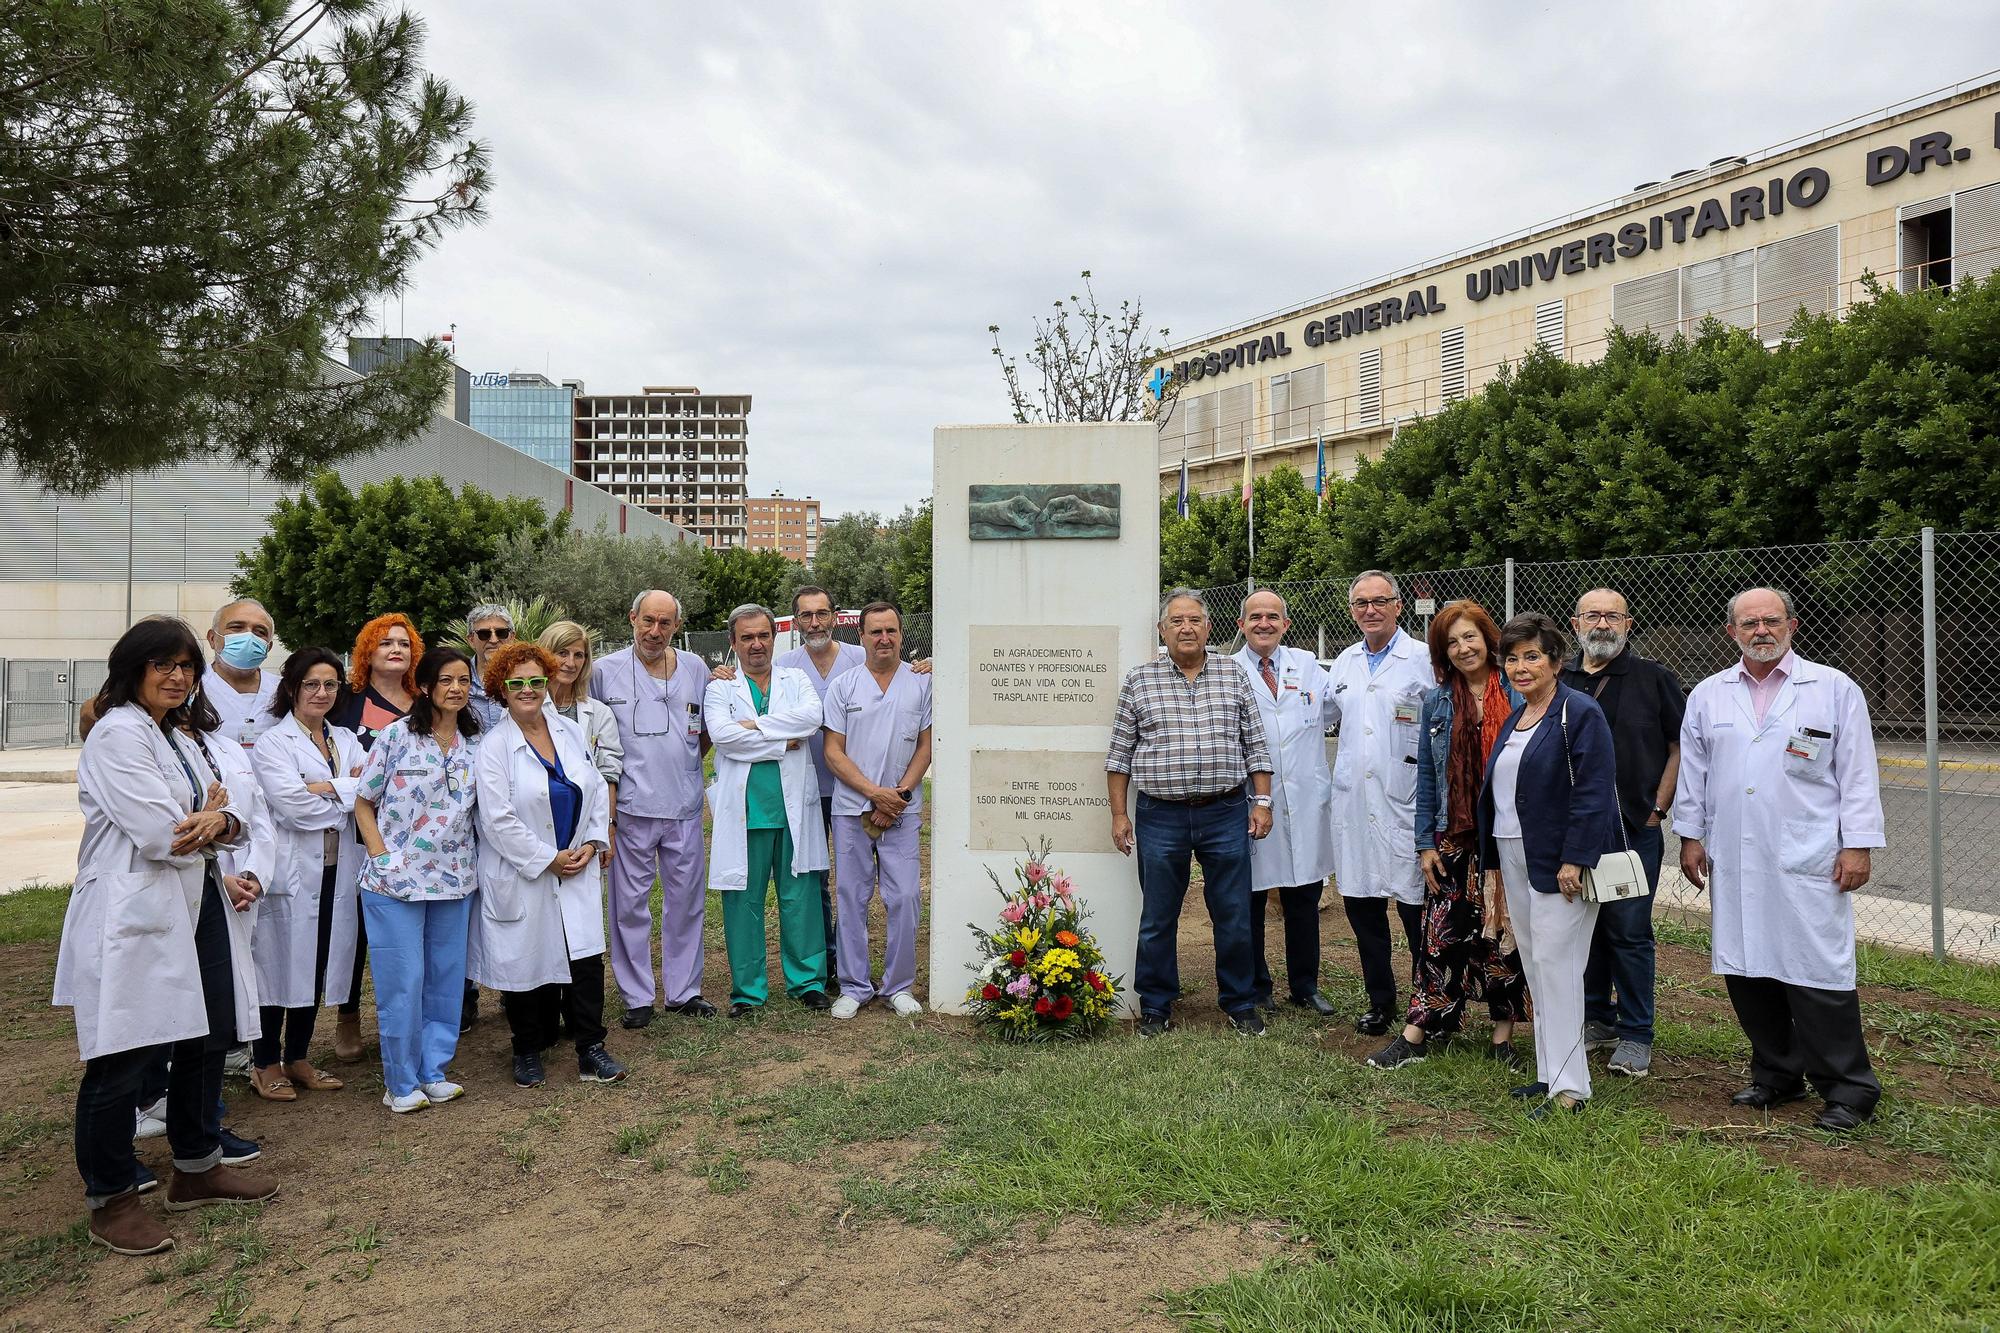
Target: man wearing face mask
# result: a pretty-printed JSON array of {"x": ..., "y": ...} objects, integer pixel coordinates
[
  {"x": 1643, "y": 703},
  {"x": 1779, "y": 805},
  {"x": 235, "y": 683}
]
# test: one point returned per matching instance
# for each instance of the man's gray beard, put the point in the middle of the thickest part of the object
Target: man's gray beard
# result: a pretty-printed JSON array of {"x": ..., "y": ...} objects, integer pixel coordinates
[
  {"x": 819, "y": 640},
  {"x": 1601, "y": 645},
  {"x": 1770, "y": 654}
]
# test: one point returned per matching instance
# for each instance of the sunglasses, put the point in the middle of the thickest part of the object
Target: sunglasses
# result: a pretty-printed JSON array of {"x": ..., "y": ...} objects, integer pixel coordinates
[
  {"x": 490, "y": 635},
  {"x": 526, "y": 682}
]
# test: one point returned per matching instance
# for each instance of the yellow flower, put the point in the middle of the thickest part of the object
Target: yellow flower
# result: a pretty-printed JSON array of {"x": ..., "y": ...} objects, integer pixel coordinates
[
  {"x": 1027, "y": 937},
  {"x": 1059, "y": 965}
]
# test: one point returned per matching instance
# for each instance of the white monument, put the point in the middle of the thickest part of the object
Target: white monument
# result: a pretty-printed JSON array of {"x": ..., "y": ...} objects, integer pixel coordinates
[{"x": 1044, "y": 590}]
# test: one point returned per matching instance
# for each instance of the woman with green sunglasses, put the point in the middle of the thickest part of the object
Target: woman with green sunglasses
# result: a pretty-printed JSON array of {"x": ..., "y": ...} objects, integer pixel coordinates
[{"x": 543, "y": 810}]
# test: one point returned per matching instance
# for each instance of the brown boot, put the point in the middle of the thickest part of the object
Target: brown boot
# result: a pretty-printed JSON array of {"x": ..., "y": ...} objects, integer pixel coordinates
[
  {"x": 218, "y": 1184},
  {"x": 347, "y": 1037},
  {"x": 123, "y": 1226}
]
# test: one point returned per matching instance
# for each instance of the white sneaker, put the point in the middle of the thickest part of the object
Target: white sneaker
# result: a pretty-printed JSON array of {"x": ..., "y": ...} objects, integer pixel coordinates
[
  {"x": 442, "y": 1091},
  {"x": 408, "y": 1102},
  {"x": 237, "y": 1062},
  {"x": 150, "y": 1126},
  {"x": 845, "y": 1007},
  {"x": 906, "y": 1004}
]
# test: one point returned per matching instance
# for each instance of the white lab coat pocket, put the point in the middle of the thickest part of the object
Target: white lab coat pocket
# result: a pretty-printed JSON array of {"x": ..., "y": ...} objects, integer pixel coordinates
[
  {"x": 136, "y": 904},
  {"x": 1403, "y": 781},
  {"x": 1808, "y": 847},
  {"x": 501, "y": 899}
]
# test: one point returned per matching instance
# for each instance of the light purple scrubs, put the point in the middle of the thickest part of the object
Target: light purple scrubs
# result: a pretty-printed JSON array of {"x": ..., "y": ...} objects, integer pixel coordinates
[
  {"x": 659, "y": 823},
  {"x": 880, "y": 729},
  {"x": 851, "y": 655}
]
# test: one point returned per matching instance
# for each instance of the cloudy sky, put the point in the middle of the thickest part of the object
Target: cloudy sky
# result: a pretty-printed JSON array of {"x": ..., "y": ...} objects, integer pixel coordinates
[{"x": 825, "y": 205}]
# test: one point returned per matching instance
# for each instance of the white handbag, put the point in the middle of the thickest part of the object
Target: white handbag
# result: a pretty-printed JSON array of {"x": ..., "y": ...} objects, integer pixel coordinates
[{"x": 1617, "y": 875}]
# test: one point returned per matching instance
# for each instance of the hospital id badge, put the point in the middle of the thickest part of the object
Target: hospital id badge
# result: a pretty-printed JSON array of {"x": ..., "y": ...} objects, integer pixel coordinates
[
  {"x": 1406, "y": 711},
  {"x": 1290, "y": 680},
  {"x": 1803, "y": 746}
]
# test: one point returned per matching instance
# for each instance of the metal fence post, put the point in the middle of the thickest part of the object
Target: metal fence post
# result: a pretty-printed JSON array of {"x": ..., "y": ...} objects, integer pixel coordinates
[
  {"x": 1933, "y": 798},
  {"x": 1510, "y": 589}
]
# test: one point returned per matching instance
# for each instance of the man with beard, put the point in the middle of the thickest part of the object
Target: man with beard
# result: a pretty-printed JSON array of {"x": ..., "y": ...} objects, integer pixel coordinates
[
  {"x": 1779, "y": 805},
  {"x": 654, "y": 691},
  {"x": 1643, "y": 702}
]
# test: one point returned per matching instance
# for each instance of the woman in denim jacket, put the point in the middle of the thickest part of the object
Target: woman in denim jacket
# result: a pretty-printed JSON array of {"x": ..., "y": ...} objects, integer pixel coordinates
[{"x": 1462, "y": 954}]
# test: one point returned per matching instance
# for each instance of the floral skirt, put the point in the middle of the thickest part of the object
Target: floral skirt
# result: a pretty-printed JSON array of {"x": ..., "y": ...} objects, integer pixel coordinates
[{"x": 1454, "y": 961}]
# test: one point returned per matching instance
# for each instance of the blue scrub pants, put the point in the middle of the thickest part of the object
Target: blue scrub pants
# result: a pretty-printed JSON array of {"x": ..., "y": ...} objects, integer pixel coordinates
[{"x": 417, "y": 953}]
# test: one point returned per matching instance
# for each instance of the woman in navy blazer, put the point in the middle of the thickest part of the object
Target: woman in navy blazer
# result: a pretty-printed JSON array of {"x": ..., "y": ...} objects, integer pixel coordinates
[{"x": 1538, "y": 829}]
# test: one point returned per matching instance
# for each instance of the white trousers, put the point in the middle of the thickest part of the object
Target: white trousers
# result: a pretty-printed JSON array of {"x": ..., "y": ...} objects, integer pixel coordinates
[{"x": 1554, "y": 936}]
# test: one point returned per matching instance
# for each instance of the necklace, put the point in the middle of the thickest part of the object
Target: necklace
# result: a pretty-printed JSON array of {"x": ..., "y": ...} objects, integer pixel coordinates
[{"x": 1528, "y": 723}]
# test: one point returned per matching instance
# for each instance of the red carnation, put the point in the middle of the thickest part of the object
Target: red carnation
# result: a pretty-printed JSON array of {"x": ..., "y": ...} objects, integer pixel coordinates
[
  {"x": 1064, "y": 1007},
  {"x": 1017, "y": 958},
  {"x": 1096, "y": 982},
  {"x": 1043, "y": 1008},
  {"x": 989, "y": 992}
]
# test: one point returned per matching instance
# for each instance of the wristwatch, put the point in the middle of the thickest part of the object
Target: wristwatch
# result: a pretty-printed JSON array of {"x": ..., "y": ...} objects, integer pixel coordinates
[
  {"x": 1264, "y": 801},
  {"x": 1658, "y": 811}
]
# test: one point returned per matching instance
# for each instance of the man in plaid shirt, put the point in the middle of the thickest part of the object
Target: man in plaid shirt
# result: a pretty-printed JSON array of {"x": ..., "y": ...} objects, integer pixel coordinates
[{"x": 1188, "y": 736}]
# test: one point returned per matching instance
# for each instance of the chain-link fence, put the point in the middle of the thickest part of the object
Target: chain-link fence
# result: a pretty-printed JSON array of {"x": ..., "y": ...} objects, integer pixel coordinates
[{"x": 1915, "y": 621}]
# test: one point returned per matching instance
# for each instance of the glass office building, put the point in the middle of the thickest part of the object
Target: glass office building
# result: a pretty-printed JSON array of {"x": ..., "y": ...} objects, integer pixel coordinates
[{"x": 528, "y": 411}]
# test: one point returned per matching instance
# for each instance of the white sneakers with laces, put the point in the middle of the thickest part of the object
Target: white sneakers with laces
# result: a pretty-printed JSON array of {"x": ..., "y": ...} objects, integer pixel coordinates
[
  {"x": 444, "y": 1090},
  {"x": 408, "y": 1102}
]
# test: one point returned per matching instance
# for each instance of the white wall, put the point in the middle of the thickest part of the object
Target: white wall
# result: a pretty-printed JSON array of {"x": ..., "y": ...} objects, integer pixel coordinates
[{"x": 1042, "y": 583}]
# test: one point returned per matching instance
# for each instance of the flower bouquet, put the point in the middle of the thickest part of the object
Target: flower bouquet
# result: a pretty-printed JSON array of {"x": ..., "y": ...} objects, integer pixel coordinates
[{"x": 1042, "y": 975}]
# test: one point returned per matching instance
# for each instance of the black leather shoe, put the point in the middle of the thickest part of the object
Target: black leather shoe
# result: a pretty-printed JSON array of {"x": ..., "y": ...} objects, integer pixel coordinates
[
  {"x": 636, "y": 1017},
  {"x": 1840, "y": 1118},
  {"x": 1372, "y": 1024},
  {"x": 815, "y": 999},
  {"x": 1155, "y": 1025},
  {"x": 694, "y": 1008},
  {"x": 1529, "y": 1090},
  {"x": 1760, "y": 1098},
  {"x": 528, "y": 1071},
  {"x": 1316, "y": 1002},
  {"x": 741, "y": 1008},
  {"x": 468, "y": 1014}
]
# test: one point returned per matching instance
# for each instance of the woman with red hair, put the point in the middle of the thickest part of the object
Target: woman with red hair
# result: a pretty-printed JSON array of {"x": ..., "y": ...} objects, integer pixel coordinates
[
  {"x": 381, "y": 681},
  {"x": 1461, "y": 955}
]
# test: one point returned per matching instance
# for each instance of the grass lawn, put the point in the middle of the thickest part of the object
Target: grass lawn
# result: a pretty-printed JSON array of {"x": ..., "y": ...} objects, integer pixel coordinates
[{"x": 786, "y": 1171}]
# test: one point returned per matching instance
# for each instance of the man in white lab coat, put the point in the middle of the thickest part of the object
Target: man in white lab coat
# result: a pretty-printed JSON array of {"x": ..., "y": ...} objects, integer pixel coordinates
[
  {"x": 1291, "y": 689},
  {"x": 1377, "y": 691},
  {"x": 765, "y": 804},
  {"x": 1778, "y": 807}
]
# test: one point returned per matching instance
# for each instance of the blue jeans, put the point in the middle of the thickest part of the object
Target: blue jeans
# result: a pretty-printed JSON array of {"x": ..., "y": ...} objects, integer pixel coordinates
[
  {"x": 417, "y": 952},
  {"x": 1169, "y": 836},
  {"x": 1621, "y": 952}
]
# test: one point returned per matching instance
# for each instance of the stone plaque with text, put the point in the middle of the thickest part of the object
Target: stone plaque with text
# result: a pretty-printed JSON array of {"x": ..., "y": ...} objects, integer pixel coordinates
[
  {"x": 1044, "y": 675},
  {"x": 1022, "y": 796}
]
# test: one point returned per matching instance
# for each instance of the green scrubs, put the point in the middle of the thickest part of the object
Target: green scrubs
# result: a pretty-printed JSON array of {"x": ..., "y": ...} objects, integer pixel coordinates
[{"x": 801, "y": 928}]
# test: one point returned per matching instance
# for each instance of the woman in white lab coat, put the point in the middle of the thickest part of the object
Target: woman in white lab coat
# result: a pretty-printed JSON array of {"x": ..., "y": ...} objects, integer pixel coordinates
[
  {"x": 147, "y": 957},
  {"x": 308, "y": 770},
  {"x": 539, "y": 936}
]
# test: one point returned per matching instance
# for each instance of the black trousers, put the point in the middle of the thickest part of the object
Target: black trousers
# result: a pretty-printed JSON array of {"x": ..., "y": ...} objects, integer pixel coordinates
[
  {"x": 1802, "y": 1035},
  {"x": 535, "y": 1016},
  {"x": 111, "y": 1084},
  {"x": 1300, "y": 907},
  {"x": 1370, "y": 919},
  {"x": 353, "y": 1004},
  {"x": 296, "y": 1025}
]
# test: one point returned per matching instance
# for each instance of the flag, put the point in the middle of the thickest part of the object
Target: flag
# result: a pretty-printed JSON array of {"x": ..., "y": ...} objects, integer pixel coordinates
[
  {"x": 1246, "y": 478},
  {"x": 1319, "y": 481},
  {"x": 1181, "y": 506}
]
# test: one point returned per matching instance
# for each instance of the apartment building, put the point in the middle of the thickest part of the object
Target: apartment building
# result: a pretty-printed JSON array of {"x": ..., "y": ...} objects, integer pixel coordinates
[{"x": 672, "y": 450}]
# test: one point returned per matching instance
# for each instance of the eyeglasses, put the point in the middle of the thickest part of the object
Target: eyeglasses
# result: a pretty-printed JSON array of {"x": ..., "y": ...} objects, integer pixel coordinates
[
  {"x": 1761, "y": 622},
  {"x": 319, "y": 686},
  {"x": 814, "y": 615},
  {"x": 493, "y": 635},
  {"x": 1373, "y": 603},
  {"x": 1601, "y": 617},
  {"x": 526, "y": 682},
  {"x": 164, "y": 668}
]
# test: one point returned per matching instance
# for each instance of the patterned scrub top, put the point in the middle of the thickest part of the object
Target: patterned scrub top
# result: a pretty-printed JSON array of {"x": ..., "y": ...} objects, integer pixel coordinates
[{"x": 423, "y": 801}]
